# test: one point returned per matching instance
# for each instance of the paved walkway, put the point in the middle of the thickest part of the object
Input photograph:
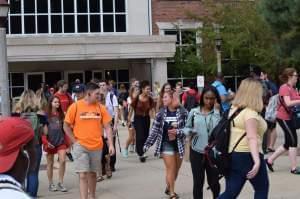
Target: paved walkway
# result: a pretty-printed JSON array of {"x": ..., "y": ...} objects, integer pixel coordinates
[{"x": 135, "y": 180}]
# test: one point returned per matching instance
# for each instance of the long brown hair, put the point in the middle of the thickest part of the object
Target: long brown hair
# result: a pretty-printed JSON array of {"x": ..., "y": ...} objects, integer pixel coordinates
[
  {"x": 286, "y": 73},
  {"x": 59, "y": 109}
]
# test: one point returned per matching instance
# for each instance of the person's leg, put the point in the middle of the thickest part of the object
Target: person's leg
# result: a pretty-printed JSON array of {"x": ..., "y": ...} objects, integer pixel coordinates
[
  {"x": 83, "y": 185},
  {"x": 139, "y": 122},
  {"x": 92, "y": 181},
  {"x": 170, "y": 165},
  {"x": 260, "y": 182},
  {"x": 62, "y": 165},
  {"x": 287, "y": 139},
  {"x": 33, "y": 176},
  {"x": 213, "y": 180},
  {"x": 113, "y": 158},
  {"x": 240, "y": 165},
  {"x": 197, "y": 165},
  {"x": 178, "y": 164},
  {"x": 272, "y": 139},
  {"x": 50, "y": 162}
]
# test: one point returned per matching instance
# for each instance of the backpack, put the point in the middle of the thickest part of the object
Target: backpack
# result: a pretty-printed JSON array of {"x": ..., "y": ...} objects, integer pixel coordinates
[
  {"x": 216, "y": 152},
  {"x": 271, "y": 109},
  {"x": 191, "y": 102},
  {"x": 32, "y": 117}
]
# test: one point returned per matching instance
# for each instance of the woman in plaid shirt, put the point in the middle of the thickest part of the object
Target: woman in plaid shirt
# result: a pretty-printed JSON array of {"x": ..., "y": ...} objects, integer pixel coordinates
[{"x": 167, "y": 132}]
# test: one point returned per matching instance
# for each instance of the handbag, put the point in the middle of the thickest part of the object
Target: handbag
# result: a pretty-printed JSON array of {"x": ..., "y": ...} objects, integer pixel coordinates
[{"x": 293, "y": 111}]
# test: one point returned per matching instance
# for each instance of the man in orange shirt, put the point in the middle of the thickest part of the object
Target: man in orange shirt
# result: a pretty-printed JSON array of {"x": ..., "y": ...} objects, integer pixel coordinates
[{"x": 84, "y": 123}]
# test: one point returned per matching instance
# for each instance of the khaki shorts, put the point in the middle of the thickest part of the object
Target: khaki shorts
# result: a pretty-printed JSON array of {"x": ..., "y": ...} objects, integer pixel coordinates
[{"x": 86, "y": 160}]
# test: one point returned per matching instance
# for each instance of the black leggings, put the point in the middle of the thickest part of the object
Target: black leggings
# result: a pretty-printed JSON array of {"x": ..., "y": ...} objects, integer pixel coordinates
[
  {"x": 290, "y": 134},
  {"x": 199, "y": 166},
  {"x": 142, "y": 126}
]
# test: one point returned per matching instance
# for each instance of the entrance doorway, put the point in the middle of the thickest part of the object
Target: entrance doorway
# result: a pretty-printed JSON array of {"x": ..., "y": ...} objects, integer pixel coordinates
[{"x": 34, "y": 80}]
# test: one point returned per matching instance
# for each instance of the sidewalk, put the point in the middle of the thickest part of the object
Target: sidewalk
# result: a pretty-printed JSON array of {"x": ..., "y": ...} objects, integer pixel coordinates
[{"x": 135, "y": 180}]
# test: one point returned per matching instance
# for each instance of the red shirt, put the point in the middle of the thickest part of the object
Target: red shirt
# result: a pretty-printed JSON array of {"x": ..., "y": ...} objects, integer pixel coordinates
[
  {"x": 191, "y": 92},
  {"x": 65, "y": 100},
  {"x": 286, "y": 90}
]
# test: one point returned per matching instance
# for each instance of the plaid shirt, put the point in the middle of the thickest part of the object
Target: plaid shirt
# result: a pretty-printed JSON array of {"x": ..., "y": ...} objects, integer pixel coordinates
[{"x": 156, "y": 132}]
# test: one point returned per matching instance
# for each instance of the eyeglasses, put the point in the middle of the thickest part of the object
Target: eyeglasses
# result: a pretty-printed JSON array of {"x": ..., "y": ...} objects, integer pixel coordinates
[{"x": 102, "y": 85}]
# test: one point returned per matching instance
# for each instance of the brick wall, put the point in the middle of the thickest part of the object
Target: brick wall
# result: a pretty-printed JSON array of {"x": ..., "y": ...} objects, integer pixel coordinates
[{"x": 174, "y": 10}]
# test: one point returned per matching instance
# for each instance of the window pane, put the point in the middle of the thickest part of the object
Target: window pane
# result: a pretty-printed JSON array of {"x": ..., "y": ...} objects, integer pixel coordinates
[
  {"x": 42, "y": 6},
  {"x": 69, "y": 24},
  {"x": 56, "y": 24},
  {"x": 107, "y": 5},
  {"x": 17, "y": 79},
  {"x": 15, "y": 25},
  {"x": 110, "y": 75},
  {"x": 188, "y": 37},
  {"x": 82, "y": 23},
  {"x": 120, "y": 23},
  {"x": 120, "y": 6},
  {"x": 123, "y": 75},
  {"x": 29, "y": 6},
  {"x": 29, "y": 22},
  {"x": 68, "y": 6},
  {"x": 82, "y": 6},
  {"x": 108, "y": 23},
  {"x": 95, "y": 23},
  {"x": 173, "y": 32},
  {"x": 16, "y": 92},
  {"x": 42, "y": 24},
  {"x": 94, "y": 5},
  {"x": 15, "y": 6},
  {"x": 56, "y": 6}
]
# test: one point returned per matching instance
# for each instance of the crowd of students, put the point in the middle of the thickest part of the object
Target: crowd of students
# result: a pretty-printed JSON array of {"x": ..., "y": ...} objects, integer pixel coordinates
[{"x": 87, "y": 121}]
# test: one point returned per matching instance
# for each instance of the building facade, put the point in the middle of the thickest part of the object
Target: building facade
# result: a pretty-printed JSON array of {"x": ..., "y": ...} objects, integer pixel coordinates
[{"x": 49, "y": 40}]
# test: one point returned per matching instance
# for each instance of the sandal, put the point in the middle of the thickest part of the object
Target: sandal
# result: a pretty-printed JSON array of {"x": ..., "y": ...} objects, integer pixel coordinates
[
  {"x": 167, "y": 191},
  {"x": 295, "y": 171},
  {"x": 100, "y": 178},
  {"x": 174, "y": 196},
  {"x": 270, "y": 166}
]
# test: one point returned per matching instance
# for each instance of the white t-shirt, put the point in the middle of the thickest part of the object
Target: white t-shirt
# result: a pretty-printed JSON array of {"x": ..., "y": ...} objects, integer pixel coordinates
[
  {"x": 110, "y": 104},
  {"x": 10, "y": 188}
]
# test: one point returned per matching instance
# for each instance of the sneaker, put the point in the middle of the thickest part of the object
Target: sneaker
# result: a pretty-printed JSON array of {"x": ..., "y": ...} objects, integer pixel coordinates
[
  {"x": 131, "y": 148},
  {"x": 125, "y": 153},
  {"x": 142, "y": 159},
  {"x": 61, "y": 187},
  {"x": 296, "y": 171},
  {"x": 52, "y": 187},
  {"x": 270, "y": 166}
]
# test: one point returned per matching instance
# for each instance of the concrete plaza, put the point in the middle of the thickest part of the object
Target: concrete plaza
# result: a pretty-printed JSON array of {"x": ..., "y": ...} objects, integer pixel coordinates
[{"x": 135, "y": 180}]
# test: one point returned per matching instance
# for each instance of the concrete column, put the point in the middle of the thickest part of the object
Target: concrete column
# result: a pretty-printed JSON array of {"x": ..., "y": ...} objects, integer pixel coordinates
[
  {"x": 4, "y": 86},
  {"x": 159, "y": 70}
]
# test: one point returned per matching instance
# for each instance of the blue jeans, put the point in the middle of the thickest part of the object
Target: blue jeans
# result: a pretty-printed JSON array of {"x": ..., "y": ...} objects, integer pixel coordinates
[
  {"x": 33, "y": 176},
  {"x": 241, "y": 164}
]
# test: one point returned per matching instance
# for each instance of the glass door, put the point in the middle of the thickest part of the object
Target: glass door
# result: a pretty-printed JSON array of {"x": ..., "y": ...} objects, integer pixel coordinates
[{"x": 34, "y": 80}]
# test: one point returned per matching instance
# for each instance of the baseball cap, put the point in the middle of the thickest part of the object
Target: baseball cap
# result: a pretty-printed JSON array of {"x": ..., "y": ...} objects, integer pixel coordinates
[
  {"x": 15, "y": 133},
  {"x": 78, "y": 88}
]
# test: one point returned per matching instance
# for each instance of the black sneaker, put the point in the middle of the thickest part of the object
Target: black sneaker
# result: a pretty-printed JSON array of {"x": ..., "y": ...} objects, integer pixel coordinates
[
  {"x": 295, "y": 171},
  {"x": 142, "y": 159},
  {"x": 69, "y": 155},
  {"x": 270, "y": 166}
]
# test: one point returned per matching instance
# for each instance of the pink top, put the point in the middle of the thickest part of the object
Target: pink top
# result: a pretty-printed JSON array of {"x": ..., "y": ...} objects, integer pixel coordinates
[{"x": 286, "y": 90}]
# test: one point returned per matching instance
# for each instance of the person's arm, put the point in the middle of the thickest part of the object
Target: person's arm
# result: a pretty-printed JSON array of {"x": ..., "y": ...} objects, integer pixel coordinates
[
  {"x": 289, "y": 102},
  {"x": 187, "y": 130},
  {"x": 68, "y": 130},
  {"x": 116, "y": 112},
  {"x": 155, "y": 130},
  {"x": 109, "y": 134},
  {"x": 251, "y": 134}
]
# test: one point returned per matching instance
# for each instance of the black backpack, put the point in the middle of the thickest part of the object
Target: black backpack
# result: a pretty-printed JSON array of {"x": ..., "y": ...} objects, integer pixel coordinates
[
  {"x": 216, "y": 152},
  {"x": 191, "y": 102}
]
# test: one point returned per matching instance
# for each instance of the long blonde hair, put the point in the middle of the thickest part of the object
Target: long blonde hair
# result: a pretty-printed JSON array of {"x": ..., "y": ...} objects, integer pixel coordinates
[
  {"x": 27, "y": 102},
  {"x": 249, "y": 95},
  {"x": 41, "y": 100}
]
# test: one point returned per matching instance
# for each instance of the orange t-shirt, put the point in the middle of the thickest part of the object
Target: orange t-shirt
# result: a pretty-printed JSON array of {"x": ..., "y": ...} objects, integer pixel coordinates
[{"x": 87, "y": 121}]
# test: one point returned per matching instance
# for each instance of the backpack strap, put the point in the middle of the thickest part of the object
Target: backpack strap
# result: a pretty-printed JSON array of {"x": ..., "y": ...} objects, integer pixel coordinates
[{"x": 237, "y": 143}]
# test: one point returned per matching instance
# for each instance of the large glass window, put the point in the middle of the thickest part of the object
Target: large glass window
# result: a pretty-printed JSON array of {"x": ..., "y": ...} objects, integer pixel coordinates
[{"x": 67, "y": 16}]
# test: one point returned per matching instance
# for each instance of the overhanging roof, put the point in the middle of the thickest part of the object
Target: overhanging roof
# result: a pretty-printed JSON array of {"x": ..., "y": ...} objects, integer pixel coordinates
[{"x": 88, "y": 47}]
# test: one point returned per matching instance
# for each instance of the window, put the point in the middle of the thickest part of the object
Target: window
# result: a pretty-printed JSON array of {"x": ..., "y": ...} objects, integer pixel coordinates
[
  {"x": 16, "y": 84},
  {"x": 120, "y": 76},
  {"x": 60, "y": 16}
]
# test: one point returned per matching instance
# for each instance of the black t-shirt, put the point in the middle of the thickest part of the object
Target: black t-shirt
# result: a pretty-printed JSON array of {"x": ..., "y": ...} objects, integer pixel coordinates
[{"x": 170, "y": 121}]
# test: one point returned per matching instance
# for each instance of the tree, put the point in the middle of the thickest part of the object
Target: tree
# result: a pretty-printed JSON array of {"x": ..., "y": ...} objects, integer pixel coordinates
[
  {"x": 283, "y": 16},
  {"x": 247, "y": 40}
]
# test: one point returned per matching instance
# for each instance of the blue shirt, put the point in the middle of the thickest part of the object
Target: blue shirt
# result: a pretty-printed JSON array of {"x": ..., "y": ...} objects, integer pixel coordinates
[{"x": 222, "y": 91}]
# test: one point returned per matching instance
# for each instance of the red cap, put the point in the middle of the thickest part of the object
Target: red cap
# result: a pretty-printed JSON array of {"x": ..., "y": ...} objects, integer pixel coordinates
[{"x": 14, "y": 133}]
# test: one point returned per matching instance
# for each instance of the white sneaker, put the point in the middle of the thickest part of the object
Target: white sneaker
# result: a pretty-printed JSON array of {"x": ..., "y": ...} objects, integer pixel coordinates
[
  {"x": 61, "y": 187},
  {"x": 52, "y": 187}
]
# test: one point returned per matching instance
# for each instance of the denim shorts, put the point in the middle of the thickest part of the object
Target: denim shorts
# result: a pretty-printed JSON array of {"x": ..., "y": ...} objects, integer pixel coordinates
[{"x": 168, "y": 149}]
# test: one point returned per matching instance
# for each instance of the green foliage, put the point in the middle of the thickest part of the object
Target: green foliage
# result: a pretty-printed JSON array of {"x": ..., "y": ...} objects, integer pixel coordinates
[
  {"x": 283, "y": 16},
  {"x": 246, "y": 39}
]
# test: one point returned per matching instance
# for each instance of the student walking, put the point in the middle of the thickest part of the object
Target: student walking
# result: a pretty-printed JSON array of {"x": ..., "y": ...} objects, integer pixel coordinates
[
  {"x": 288, "y": 97},
  {"x": 247, "y": 161},
  {"x": 88, "y": 115},
  {"x": 54, "y": 143},
  {"x": 143, "y": 107},
  {"x": 200, "y": 123},
  {"x": 167, "y": 132},
  {"x": 159, "y": 103}
]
